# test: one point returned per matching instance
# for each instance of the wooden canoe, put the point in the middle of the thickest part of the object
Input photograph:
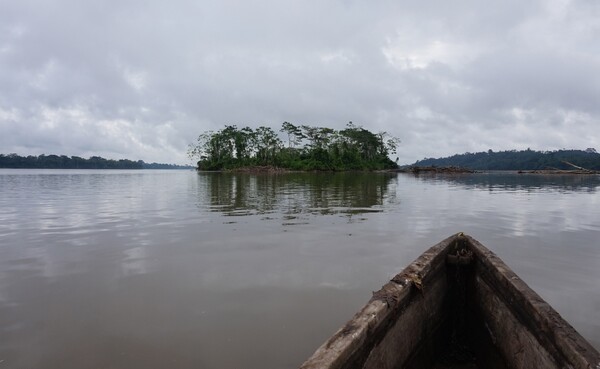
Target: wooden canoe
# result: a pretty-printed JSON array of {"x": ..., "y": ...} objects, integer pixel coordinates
[{"x": 457, "y": 306}]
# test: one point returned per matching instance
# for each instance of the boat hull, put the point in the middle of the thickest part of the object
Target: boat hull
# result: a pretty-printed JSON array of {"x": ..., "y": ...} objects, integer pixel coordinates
[{"x": 457, "y": 306}]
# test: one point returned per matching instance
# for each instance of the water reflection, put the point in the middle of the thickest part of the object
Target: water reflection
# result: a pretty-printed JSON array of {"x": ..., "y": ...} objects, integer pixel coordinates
[
  {"x": 151, "y": 269},
  {"x": 512, "y": 181},
  {"x": 294, "y": 194}
]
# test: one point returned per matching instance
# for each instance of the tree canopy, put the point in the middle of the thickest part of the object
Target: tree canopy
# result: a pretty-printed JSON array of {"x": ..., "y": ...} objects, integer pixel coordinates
[
  {"x": 75, "y": 162},
  {"x": 303, "y": 148},
  {"x": 519, "y": 160}
]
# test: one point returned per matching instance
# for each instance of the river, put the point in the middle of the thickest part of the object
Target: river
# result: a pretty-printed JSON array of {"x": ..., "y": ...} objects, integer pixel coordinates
[{"x": 175, "y": 269}]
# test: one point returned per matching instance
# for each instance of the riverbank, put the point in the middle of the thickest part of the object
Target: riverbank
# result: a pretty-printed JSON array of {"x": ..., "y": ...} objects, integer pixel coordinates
[
  {"x": 577, "y": 172},
  {"x": 260, "y": 169},
  {"x": 435, "y": 170}
]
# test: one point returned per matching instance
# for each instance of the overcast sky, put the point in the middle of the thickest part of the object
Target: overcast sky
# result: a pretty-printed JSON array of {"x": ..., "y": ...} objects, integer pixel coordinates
[{"x": 142, "y": 79}]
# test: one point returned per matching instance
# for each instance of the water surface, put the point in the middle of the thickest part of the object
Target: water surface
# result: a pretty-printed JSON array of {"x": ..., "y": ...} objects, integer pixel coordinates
[{"x": 154, "y": 269}]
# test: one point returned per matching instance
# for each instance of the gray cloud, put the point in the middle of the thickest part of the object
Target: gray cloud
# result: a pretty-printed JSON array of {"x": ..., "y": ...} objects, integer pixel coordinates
[{"x": 142, "y": 79}]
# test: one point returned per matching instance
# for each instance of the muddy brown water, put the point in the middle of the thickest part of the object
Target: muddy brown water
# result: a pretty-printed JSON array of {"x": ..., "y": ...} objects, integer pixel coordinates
[{"x": 154, "y": 269}]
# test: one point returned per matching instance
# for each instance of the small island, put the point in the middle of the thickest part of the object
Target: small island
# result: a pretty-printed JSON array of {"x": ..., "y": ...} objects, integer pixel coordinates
[{"x": 307, "y": 148}]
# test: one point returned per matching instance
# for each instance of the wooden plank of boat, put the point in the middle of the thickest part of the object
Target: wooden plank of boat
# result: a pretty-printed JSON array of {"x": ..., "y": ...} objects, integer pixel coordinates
[{"x": 457, "y": 306}]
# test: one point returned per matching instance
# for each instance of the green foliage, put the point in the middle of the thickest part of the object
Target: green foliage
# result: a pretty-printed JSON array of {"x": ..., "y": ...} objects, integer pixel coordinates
[
  {"x": 65, "y": 162},
  {"x": 308, "y": 148},
  {"x": 519, "y": 160},
  {"x": 76, "y": 162},
  {"x": 164, "y": 166}
]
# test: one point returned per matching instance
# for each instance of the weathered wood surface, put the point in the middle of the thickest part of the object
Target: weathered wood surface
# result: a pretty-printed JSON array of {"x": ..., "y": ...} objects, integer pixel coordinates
[
  {"x": 364, "y": 339},
  {"x": 526, "y": 329},
  {"x": 407, "y": 323}
]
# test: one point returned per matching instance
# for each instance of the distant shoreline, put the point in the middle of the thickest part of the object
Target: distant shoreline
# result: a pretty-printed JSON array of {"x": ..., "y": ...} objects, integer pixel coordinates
[
  {"x": 14, "y": 161},
  {"x": 185, "y": 168}
]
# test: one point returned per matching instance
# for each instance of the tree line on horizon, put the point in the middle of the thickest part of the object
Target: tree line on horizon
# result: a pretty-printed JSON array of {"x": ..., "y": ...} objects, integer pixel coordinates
[
  {"x": 303, "y": 148},
  {"x": 75, "y": 162},
  {"x": 518, "y": 160}
]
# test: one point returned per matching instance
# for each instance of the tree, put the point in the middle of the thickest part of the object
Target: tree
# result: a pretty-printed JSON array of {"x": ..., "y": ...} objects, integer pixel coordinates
[
  {"x": 294, "y": 134},
  {"x": 267, "y": 145},
  {"x": 325, "y": 149}
]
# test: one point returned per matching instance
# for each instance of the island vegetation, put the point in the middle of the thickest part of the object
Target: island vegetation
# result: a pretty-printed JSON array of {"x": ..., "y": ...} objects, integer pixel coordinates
[
  {"x": 75, "y": 162},
  {"x": 525, "y": 160},
  {"x": 303, "y": 147}
]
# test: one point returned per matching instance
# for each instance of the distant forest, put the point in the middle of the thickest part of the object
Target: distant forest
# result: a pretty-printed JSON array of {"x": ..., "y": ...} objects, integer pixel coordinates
[
  {"x": 519, "y": 160},
  {"x": 76, "y": 162},
  {"x": 306, "y": 148}
]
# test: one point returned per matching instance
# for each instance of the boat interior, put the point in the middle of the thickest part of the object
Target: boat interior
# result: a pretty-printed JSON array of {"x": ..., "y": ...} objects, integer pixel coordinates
[{"x": 457, "y": 306}]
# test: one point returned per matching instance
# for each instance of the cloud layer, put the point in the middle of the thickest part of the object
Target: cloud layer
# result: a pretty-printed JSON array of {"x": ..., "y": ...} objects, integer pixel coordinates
[{"x": 141, "y": 79}]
